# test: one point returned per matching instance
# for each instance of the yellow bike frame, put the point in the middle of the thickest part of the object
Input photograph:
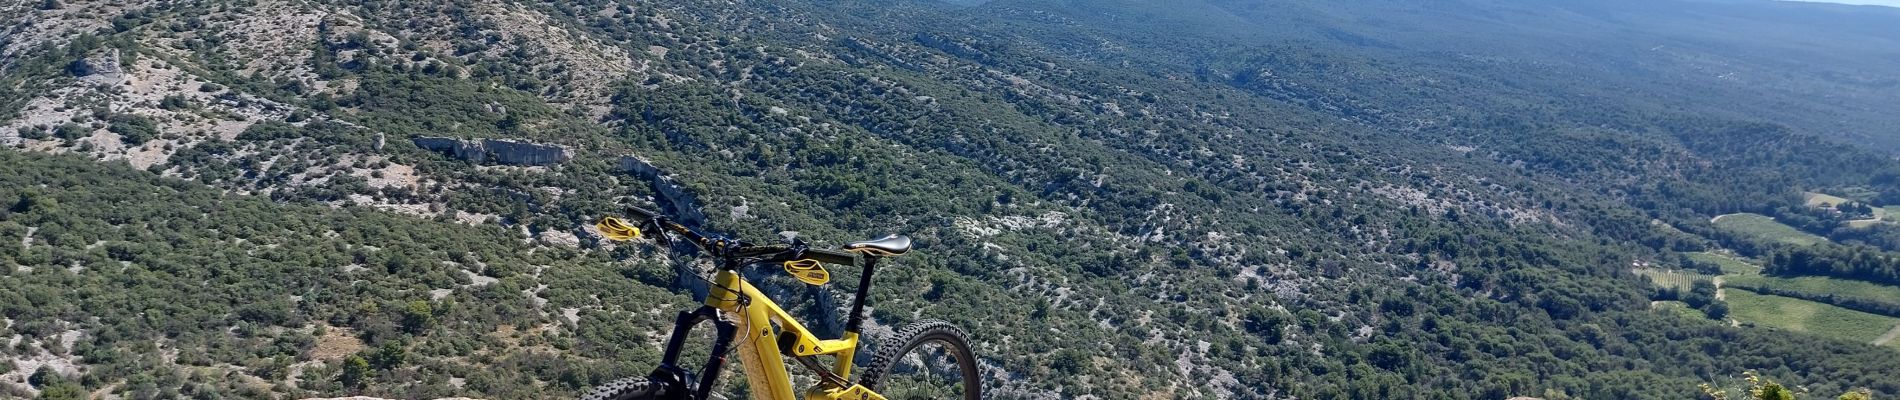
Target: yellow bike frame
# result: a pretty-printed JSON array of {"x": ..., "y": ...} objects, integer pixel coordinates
[
  {"x": 763, "y": 326},
  {"x": 764, "y": 333}
]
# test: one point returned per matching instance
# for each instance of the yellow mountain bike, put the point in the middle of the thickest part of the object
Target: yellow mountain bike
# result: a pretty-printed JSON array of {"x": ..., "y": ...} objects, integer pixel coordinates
[{"x": 924, "y": 360}]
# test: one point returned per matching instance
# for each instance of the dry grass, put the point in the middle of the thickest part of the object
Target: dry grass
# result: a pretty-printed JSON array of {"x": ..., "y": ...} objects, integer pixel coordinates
[{"x": 335, "y": 344}]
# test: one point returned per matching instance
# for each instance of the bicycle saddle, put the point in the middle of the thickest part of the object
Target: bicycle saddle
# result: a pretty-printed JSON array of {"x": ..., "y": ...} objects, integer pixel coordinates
[{"x": 893, "y": 245}]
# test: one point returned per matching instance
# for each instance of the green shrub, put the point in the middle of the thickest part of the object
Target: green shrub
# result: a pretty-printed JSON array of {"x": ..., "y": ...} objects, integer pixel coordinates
[
  {"x": 71, "y": 131},
  {"x": 132, "y": 129}
]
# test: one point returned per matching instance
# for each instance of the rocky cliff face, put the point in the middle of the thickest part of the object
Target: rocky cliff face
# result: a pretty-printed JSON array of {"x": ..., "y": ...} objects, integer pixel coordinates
[
  {"x": 498, "y": 151},
  {"x": 682, "y": 205},
  {"x": 99, "y": 69}
]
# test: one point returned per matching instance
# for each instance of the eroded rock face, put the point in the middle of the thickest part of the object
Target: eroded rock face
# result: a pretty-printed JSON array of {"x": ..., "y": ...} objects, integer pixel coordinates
[
  {"x": 454, "y": 147},
  {"x": 99, "y": 69},
  {"x": 679, "y": 203},
  {"x": 524, "y": 153},
  {"x": 498, "y": 151}
]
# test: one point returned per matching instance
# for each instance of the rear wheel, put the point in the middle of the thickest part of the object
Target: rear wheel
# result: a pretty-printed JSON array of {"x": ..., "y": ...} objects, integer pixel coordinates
[
  {"x": 633, "y": 388},
  {"x": 925, "y": 360}
]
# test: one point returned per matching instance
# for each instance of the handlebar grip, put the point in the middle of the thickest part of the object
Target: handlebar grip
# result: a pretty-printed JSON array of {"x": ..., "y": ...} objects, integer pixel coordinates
[
  {"x": 758, "y": 250},
  {"x": 832, "y": 257},
  {"x": 824, "y": 256},
  {"x": 643, "y": 213}
]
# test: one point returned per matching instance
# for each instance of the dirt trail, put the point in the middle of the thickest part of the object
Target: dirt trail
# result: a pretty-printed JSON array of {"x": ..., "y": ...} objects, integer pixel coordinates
[
  {"x": 1718, "y": 289},
  {"x": 1891, "y": 334}
]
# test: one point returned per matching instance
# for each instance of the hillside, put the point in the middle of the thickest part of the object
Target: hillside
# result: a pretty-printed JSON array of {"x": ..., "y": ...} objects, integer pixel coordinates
[{"x": 1118, "y": 200}]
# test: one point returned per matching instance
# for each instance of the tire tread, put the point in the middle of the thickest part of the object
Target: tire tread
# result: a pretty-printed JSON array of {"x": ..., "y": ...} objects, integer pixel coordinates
[
  {"x": 904, "y": 340},
  {"x": 629, "y": 388}
]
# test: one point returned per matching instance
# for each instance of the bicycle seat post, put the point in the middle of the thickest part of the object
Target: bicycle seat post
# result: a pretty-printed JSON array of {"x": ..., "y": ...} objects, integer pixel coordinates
[
  {"x": 872, "y": 251},
  {"x": 855, "y": 322}
]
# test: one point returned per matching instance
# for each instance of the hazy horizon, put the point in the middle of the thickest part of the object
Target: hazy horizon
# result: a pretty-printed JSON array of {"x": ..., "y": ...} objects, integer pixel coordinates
[{"x": 1887, "y": 3}]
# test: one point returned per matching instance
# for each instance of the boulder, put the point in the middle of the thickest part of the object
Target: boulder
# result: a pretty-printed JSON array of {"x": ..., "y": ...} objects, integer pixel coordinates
[{"x": 100, "y": 69}]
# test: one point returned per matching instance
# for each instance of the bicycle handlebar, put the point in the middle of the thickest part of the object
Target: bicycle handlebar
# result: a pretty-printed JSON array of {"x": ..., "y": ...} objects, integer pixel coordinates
[
  {"x": 642, "y": 212},
  {"x": 664, "y": 224},
  {"x": 822, "y": 255}
]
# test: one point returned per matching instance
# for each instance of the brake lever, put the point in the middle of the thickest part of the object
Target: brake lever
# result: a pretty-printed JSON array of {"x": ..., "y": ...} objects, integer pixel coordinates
[{"x": 797, "y": 245}]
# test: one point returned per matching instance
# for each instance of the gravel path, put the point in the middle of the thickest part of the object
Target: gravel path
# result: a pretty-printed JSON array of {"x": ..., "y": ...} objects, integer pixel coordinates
[{"x": 1891, "y": 334}]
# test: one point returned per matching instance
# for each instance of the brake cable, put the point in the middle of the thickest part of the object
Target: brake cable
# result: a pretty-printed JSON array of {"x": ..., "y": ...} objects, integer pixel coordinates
[{"x": 810, "y": 363}]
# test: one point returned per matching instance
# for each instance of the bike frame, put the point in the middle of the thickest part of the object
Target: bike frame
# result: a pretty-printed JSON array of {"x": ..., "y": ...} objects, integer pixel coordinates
[
  {"x": 764, "y": 335},
  {"x": 760, "y": 346}
]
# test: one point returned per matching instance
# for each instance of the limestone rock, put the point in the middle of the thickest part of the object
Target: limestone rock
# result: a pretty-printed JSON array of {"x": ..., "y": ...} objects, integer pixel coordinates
[
  {"x": 677, "y": 202},
  {"x": 99, "y": 69},
  {"x": 498, "y": 151},
  {"x": 470, "y": 151},
  {"x": 524, "y": 153}
]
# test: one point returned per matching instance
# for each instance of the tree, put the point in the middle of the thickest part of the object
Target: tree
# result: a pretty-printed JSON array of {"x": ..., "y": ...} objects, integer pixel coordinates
[
  {"x": 418, "y": 317},
  {"x": 1857, "y": 394},
  {"x": 1389, "y": 355},
  {"x": 72, "y": 131},
  {"x": 174, "y": 102},
  {"x": 34, "y": 132},
  {"x": 1270, "y": 325},
  {"x": 355, "y": 372},
  {"x": 44, "y": 376},
  {"x": 1716, "y": 310},
  {"x": 1771, "y": 391},
  {"x": 1760, "y": 388},
  {"x": 390, "y": 356},
  {"x": 133, "y": 129},
  {"x": 1069, "y": 361},
  {"x": 63, "y": 391},
  {"x": 29, "y": 201},
  {"x": 1701, "y": 293}
]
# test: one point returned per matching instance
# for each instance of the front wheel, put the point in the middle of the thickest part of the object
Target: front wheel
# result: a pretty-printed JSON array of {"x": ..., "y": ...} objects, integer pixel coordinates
[
  {"x": 634, "y": 388},
  {"x": 925, "y": 360}
]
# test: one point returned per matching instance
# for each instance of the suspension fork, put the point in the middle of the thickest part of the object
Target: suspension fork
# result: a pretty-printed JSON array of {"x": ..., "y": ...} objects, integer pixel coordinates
[{"x": 681, "y": 379}]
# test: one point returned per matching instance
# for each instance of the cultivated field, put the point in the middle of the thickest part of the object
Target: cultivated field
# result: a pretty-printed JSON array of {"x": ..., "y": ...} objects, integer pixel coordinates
[
  {"x": 1820, "y": 199},
  {"x": 1765, "y": 227},
  {"x": 1823, "y": 286},
  {"x": 1730, "y": 264},
  {"x": 1684, "y": 280},
  {"x": 1807, "y": 316}
]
